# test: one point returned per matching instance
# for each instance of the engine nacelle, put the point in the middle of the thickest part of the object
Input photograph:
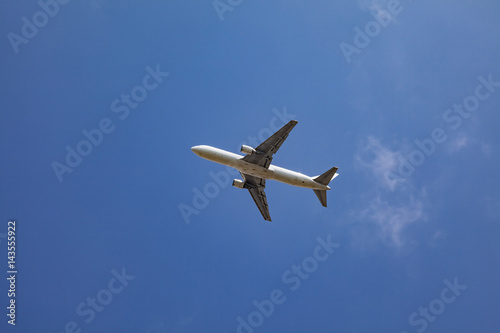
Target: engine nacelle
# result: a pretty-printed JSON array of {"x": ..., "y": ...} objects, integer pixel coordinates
[
  {"x": 238, "y": 183},
  {"x": 247, "y": 149}
]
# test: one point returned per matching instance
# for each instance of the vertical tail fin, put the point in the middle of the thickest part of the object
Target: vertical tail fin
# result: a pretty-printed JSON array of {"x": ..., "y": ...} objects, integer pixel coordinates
[
  {"x": 321, "y": 194},
  {"x": 325, "y": 179}
]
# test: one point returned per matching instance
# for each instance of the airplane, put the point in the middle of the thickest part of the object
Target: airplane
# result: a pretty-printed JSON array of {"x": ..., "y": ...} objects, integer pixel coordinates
[{"x": 255, "y": 167}]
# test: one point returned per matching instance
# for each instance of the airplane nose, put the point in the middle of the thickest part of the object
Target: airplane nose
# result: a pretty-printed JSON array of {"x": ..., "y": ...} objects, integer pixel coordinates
[{"x": 196, "y": 149}]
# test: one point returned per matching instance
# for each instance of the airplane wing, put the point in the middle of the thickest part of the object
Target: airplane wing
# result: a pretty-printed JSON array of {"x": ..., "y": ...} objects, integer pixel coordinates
[
  {"x": 256, "y": 187},
  {"x": 263, "y": 154}
]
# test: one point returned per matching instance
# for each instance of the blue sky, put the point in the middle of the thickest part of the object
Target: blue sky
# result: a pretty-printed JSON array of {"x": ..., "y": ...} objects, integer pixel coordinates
[{"x": 402, "y": 96}]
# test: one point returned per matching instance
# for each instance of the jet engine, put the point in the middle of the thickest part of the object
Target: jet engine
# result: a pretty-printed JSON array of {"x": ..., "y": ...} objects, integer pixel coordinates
[
  {"x": 238, "y": 183},
  {"x": 247, "y": 149}
]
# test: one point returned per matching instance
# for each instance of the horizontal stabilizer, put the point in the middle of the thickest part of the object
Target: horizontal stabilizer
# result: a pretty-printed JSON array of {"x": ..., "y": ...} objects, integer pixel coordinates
[{"x": 326, "y": 177}]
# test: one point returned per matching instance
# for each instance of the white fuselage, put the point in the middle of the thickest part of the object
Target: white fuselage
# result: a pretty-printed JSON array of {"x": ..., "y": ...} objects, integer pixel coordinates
[{"x": 273, "y": 172}]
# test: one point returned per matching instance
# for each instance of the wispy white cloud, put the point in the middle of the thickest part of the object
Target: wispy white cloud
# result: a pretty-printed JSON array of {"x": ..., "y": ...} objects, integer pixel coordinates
[
  {"x": 376, "y": 160},
  {"x": 468, "y": 140},
  {"x": 437, "y": 238},
  {"x": 457, "y": 144},
  {"x": 392, "y": 219},
  {"x": 384, "y": 212}
]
